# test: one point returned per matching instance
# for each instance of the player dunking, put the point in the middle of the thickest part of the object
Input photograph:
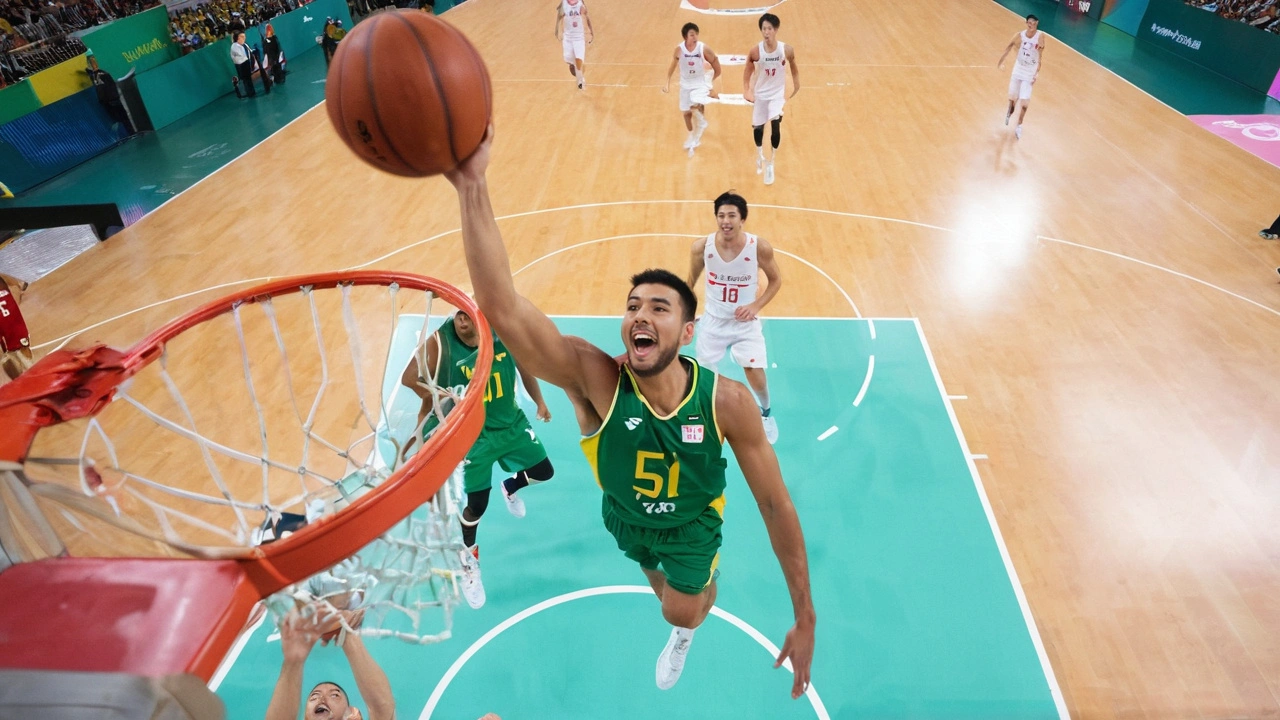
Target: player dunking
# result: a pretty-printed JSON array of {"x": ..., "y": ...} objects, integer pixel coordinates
[
  {"x": 15, "y": 341},
  {"x": 769, "y": 91},
  {"x": 507, "y": 437},
  {"x": 574, "y": 14},
  {"x": 691, "y": 57},
  {"x": 733, "y": 260},
  {"x": 653, "y": 426},
  {"x": 1026, "y": 69}
]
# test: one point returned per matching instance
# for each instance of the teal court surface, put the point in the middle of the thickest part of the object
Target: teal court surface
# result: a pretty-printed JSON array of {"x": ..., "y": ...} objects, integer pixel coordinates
[{"x": 917, "y": 614}]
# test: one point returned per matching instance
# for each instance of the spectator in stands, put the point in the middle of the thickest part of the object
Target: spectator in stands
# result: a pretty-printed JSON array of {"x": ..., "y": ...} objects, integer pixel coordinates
[{"x": 242, "y": 58}]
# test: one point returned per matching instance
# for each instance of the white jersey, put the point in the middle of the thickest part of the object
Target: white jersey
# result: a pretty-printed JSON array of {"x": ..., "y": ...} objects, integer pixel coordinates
[
  {"x": 573, "y": 20},
  {"x": 1028, "y": 56},
  {"x": 731, "y": 283},
  {"x": 771, "y": 81},
  {"x": 693, "y": 65}
]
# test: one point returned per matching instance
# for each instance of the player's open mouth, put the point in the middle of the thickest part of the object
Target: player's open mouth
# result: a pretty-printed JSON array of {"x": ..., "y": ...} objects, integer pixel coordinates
[
  {"x": 322, "y": 711},
  {"x": 643, "y": 342}
]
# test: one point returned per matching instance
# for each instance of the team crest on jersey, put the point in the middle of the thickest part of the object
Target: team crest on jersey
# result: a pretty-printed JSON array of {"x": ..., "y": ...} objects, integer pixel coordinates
[{"x": 692, "y": 433}]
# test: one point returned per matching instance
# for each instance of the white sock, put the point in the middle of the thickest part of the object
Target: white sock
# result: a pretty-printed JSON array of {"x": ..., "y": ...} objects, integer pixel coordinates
[{"x": 685, "y": 633}]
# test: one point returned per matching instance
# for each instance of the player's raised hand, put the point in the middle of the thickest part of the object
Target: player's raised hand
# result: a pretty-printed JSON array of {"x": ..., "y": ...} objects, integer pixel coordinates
[
  {"x": 298, "y": 634},
  {"x": 798, "y": 648},
  {"x": 472, "y": 169},
  {"x": 353, "y": 714}
]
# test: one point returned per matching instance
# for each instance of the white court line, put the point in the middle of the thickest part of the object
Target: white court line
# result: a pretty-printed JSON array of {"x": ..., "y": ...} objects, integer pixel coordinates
[
  {"x": 1184, "y": 276},
  {"x": 958, "y": 397},
  {"x": 866, "y": 382},
  {"x": 978, "y": 457},
  {"x": 829, "y": 432},
  {"x": 225, "y": 666},
  {"x": 232, "y": 160},
  {"x": 812, "y": 694},
  {"x": 1054, "y": 689}
]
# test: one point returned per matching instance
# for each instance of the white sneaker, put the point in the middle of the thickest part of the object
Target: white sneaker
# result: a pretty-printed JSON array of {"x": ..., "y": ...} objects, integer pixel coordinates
[
  {"x": 768, "y": 174},
  {"x": 688, "y": 142},
  {"x": 671, "y": 661},
  {"x": 1017, "y": 132},
  {"x": 515, "y": 505},
  {"x": 770, "y": 429},
  {"x": 472, "y": 588},
  {"x": 581, "y": 82},
  {"x": 759, "y": 163}
]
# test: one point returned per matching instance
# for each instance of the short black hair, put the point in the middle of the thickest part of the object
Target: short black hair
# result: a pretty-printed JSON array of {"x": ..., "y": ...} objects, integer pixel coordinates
[
  {"x": 729, "y": 197},
  {"x": 658, "y": 276},
  {"x": 1033, "y": 17},
  {"x": 684, "y": 31},
  {"x": 330, "y": 682},
  {"x": 771, "y": 19}
]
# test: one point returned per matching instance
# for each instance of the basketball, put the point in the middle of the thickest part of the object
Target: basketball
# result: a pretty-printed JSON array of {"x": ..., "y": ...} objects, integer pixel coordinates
[{"x": 408, "y": 94}]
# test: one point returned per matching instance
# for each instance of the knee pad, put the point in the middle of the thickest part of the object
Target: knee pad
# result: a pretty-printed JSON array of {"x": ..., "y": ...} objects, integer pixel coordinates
[
  {"x": 541, "y": 472},
  {"x": 477, "y": 503},
  {"x": 758, "y": 131},
  {"x": 775, "y": 135}
]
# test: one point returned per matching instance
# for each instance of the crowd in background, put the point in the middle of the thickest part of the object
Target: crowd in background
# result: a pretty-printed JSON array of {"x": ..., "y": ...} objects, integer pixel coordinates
[
  {"x": 1262, "y": 14},
  {"x": 33, "y": 33},
  {"x": 196, "y": 27}
]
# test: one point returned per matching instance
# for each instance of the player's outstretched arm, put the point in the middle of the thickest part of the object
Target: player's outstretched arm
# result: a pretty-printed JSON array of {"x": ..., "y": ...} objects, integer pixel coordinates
[
  {"x": 297, "y": 636},
  {"x": 795, "y": 70},
  {"x": 370, "y": 679},
  {"x": 697, "y": 264},
  {"x": 570, "y": 363},
  {"x": 739, "y": 420},
  {"x": 768, "y": 265}
]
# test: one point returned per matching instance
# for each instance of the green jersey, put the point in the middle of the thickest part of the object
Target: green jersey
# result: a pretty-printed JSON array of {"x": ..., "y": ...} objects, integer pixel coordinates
[
  {"x": 458, "y": 363},
  {"x": 660, "y": 471}
]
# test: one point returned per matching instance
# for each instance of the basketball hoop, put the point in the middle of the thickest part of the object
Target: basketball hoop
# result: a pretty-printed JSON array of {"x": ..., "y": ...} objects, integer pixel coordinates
[{"x": 194, "y": 447}]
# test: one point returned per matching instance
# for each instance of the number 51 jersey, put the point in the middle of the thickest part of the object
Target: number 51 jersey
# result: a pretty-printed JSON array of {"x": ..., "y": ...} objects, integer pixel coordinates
[{"x": 660, "y": 471}]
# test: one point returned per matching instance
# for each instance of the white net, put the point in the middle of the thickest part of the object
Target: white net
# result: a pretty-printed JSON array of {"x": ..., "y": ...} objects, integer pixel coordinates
[{"x": 251, "y": 424}]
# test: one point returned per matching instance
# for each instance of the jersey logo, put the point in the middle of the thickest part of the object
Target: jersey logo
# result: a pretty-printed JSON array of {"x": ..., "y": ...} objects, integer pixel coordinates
[
  {"x": 531, "y": 435},
  {"x": 633, "y": 423},
  {"x": 694, "y": 418},
  {"x": 692, "y": 433}
]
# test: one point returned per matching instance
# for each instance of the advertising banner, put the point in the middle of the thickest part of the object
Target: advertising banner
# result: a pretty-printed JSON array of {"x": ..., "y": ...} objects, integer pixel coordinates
[
  {"x": 1233, "y": 49},
  {"x": 139, "y": 41}
]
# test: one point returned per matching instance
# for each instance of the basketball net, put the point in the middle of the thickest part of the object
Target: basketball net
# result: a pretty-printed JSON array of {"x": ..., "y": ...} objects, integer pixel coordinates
[{"x": 250, "y": 424}]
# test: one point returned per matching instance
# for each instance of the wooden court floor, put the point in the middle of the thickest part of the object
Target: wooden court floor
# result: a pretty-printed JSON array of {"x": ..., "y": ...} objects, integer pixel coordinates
[{"x": 1096, "y": 291}]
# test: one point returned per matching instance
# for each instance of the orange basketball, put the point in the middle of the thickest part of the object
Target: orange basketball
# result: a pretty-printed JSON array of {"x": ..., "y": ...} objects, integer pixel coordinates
[{"x": 408, "y": 93}]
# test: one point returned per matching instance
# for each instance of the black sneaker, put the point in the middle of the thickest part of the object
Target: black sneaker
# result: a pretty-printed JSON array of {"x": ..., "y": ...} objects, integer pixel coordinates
[{"x": 1267, "y": 235}]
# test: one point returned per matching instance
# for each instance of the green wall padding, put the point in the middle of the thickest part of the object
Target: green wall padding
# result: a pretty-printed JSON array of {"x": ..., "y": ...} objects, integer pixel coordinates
[{"x": 141, "y": 42}]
